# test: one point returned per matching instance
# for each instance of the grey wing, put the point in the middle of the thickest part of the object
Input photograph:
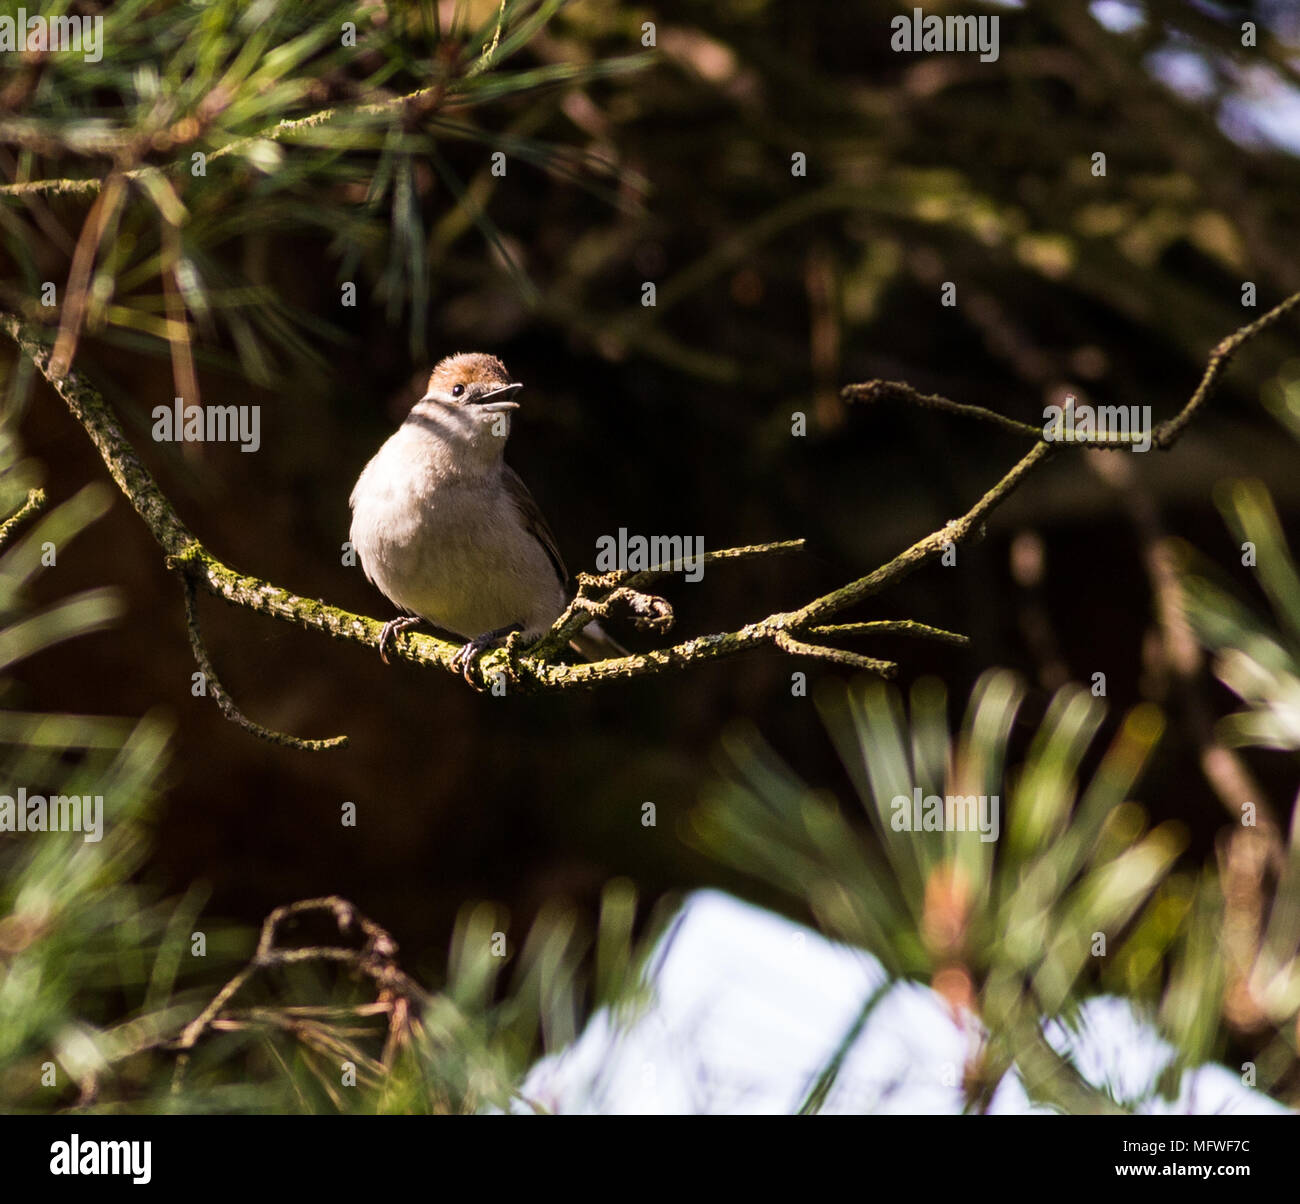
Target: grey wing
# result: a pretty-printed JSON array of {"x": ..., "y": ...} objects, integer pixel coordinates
[{"x": 533, "y": 520}]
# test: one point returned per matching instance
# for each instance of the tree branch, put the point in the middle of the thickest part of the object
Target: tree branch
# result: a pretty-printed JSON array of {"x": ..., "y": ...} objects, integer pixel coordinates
[{"x": 532, "y": 669}]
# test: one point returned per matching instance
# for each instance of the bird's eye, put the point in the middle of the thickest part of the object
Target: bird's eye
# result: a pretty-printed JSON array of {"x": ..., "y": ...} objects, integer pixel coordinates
[{"x": 457, "y": 390}]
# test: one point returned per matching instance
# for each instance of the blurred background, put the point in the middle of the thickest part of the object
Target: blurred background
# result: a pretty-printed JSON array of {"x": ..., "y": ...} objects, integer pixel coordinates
[{"x": 799, "y": 193}]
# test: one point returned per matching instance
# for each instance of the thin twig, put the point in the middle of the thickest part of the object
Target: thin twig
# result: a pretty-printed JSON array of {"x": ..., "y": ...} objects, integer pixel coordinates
[
  {"x": 213, "y": 686},
  {"x": 897, "y": 390},
  {"x": 624, "y": 588},
  {"x": 853, "y": 660},
  {"x": 375, "y": 959},
  {"x": 1167, "y": 433},
  {"x": 923, "y": 550},
  {"x": 900, "y": 626}
]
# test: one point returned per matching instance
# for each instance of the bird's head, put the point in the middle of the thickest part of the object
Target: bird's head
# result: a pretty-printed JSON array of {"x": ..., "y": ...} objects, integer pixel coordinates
[
  {"x": 467, "y": 405},
  {"x": 475, "y": 381}
]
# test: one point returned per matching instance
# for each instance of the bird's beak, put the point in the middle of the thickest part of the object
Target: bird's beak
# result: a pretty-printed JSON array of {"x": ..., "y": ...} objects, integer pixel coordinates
[{"x": 486, "y": 405}]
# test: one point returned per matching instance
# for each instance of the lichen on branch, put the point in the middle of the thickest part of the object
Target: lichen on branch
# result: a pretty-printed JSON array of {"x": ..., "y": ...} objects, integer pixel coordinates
[{"x": 800, "y": 632}]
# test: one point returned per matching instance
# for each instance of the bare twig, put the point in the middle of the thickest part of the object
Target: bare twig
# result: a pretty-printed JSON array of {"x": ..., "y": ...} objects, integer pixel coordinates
[
  {"x": 213, "y": 686},
  {"x": 623, "y": 586},
  {"x": 925, "y": 549},
  {"x": 374, "y": 959},
  {"x": 900, "y": 626},
  {"x": 1167, "y": 433},
  {"x": 896, "y": 390}
]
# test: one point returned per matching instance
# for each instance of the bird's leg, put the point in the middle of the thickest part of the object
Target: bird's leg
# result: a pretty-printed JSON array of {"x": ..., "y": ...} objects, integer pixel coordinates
[
  {"x": 468, "y": 656},
  {"x": 395, "y": 627}
]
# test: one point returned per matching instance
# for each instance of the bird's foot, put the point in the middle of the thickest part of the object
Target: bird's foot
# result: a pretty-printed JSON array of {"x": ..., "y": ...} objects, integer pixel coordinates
[
  {"x": 467, "y": 658},
  {"x": 395, "y": 627}
]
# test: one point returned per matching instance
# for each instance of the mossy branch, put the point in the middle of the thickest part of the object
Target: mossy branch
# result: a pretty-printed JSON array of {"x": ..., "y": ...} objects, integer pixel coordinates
[{"x": 796, "y": 632}]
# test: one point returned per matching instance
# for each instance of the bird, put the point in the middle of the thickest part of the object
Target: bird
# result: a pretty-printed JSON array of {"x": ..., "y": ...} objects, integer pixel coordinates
[{"x": 449, "y": 533}]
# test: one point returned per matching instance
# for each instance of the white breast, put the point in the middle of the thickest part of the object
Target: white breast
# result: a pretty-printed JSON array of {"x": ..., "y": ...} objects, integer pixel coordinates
[{"x": 448, "y": 544}]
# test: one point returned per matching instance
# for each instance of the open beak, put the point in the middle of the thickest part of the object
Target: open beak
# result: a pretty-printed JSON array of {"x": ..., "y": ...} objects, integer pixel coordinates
[{"x": 488, "y": 406}]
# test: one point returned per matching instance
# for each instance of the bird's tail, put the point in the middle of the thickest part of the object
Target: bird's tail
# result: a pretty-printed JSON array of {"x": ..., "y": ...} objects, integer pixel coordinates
[{"x": 593, "y": 643}]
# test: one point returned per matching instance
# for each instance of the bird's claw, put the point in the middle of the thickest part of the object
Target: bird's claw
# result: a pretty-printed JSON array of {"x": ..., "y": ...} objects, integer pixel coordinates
[
  {"x": 466, "y": 660},
  {"x": 394, "y": 627}
]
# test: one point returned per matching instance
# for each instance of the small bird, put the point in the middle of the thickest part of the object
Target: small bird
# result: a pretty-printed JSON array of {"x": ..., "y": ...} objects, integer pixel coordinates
[{"x": 447, "y": 530}]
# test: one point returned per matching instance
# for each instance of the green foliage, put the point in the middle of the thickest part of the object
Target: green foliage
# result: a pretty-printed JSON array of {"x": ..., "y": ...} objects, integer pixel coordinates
[
  {"x": 370, "y": 164},
  {"x": 100, "y": 978},
  {"x": 1257, "y": 660},
  {"x": 230, "y": 122},
  {"x": 307, "y": 1032},
  {"x": 1009, "y": 928},
  {"x": 77, "y": 939},
  {"x": 1076, "y": 896}
]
